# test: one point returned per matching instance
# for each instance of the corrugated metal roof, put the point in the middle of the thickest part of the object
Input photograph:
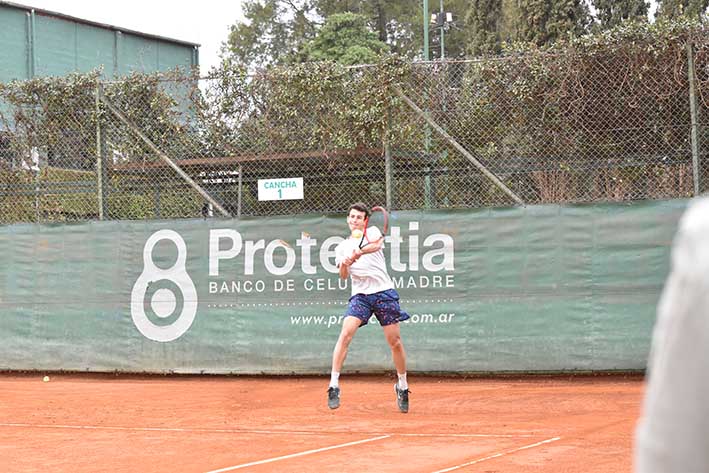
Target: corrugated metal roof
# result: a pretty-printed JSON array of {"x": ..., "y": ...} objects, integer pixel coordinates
[{"x": 41, "y": 11}]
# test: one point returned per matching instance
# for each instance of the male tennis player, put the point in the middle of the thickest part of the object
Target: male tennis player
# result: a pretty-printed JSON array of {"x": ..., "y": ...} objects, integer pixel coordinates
[{"x": 372, "y": 293}]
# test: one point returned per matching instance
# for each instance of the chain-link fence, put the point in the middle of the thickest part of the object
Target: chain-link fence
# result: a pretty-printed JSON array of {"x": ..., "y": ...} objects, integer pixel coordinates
[{"x": 595, "y": 124}]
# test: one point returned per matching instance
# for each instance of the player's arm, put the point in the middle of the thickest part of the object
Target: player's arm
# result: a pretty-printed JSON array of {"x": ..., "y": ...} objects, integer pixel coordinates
[
  {"x": 342, "y": 262},
  {"x": 372, "y": 247},
  {"x": 344, "y": 269},
  {"x": 375, "y": 244}
]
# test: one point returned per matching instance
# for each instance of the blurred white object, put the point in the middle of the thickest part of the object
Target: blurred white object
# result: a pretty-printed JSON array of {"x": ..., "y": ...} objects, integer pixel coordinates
[
  {"x": 33, "y": 159},
  {"x": 673, "y": 433}
]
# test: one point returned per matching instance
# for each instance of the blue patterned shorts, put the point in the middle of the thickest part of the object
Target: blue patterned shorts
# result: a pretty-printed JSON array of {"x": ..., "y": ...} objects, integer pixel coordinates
[{"x": 385, "y": 305}]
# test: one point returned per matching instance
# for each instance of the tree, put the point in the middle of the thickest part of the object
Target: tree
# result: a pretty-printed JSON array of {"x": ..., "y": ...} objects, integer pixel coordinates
[
  {"x": 530, "y": 21},
  {"x": 542, "y": 22},
  {"x": 568, "y": 18},
  {"x": 611, "y": 13},
  {"x": 399, "y": 22},
  {"x": 347, "y": 39},
  {"x": 676, "y": 8},
  {"x": 274, "y": 32},
  {"x": 482, "y": 24},
  {"x": 377, "y": 12}
]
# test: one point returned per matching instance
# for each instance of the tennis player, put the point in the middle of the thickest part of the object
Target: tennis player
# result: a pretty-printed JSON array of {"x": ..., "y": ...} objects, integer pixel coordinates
[{"x": 373, "y": 293}]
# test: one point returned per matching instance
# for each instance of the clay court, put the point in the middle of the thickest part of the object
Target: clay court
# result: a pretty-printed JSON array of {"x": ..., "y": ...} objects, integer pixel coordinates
[{"x": 97, "y": 423}]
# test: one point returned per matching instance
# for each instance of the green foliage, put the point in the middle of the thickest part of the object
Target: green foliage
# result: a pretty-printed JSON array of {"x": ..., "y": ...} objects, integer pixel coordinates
[
  {"x": 378, "y": 13},
  {"x": 399, "y": 23},
  {"x": 568, "y": 18},
  {"x": 346, "y": 39},
  {"x": 274, "y": 33},
  {"x": 158, "y": 112},
  {"x": 542, "y": 22},
  {"x": 483, "y": 25},
  {"x": 491, "y": 24},
  {"x": 612, "y": 13},
  {"x": 38, "y": 112},
  {"x": 567, "y": 107},
  {"x": 55, "y": 120},
  {"x": 586, "y": 118},
  {"x": 349, "y": 105},
  {"x": 670, "y": 9}
]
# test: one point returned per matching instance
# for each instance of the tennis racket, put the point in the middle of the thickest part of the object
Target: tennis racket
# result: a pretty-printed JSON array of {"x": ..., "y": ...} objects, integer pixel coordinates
[{"x": 379, "y": 218}]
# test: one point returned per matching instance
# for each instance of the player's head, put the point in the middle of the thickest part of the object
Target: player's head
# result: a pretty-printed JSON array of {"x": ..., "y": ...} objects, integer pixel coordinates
[
  {"x": 360, "y": 207},
  {"x": 357, "y": 216}
]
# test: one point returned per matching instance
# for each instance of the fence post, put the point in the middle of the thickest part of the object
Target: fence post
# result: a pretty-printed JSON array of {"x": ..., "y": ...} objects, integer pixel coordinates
[
  {"x": 427, "y": 190},
  {"x": 238, "y": 197},
  {"x": 387, "y": 161},
  {"x": 100, "y": 162},
  {"x": 37, "y": 192},
  {"x": 692, "y": 74}
]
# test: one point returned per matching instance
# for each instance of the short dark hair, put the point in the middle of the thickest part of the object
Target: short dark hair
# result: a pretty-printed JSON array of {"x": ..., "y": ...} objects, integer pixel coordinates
[{"x": 360, "y": 207}]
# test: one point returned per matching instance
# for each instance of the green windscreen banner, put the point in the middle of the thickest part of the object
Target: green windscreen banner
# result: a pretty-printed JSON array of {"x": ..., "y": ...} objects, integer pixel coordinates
[{"x": 541, "y": 288}]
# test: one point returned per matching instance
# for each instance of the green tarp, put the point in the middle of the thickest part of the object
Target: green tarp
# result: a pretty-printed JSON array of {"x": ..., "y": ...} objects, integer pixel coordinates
[{"x": 541, "y": 288}]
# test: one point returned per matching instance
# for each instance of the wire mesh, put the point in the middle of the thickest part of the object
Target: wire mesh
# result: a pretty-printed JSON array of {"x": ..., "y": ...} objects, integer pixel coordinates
[{"x": 579, "y": 127}]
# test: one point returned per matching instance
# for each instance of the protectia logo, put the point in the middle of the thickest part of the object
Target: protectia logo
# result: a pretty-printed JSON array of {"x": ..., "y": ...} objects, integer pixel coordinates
[
  {"x": 164, "y": 301},
  {"x": 165, "y": 325}
]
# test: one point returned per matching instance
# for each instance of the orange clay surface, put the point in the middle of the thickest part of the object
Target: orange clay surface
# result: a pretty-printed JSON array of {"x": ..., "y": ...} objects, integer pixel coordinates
[{"x": 106, "y": 423}]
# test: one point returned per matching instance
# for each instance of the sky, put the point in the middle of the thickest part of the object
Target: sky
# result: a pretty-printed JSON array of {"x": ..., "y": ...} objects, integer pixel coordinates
[{"x": 205, "y": 22}]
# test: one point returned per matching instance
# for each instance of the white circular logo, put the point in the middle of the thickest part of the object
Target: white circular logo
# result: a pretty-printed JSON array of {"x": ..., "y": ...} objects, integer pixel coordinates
[{"x": 164, "y": 301}]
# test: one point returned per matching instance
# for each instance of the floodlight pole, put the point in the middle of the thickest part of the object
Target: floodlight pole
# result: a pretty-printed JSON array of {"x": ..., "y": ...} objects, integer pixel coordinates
[
  {"x": 443, "y": 24},
  {"x": 426, "y": 20}
]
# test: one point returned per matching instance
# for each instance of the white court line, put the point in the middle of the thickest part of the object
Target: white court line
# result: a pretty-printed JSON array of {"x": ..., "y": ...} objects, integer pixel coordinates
[
  {"x": 497, "y": 455},
  {"x": 508, "y": 436},
  {"x": 252, "y": 431},
  {"x": 300, "y": 454},
  {"x": 158, "y": 429}
]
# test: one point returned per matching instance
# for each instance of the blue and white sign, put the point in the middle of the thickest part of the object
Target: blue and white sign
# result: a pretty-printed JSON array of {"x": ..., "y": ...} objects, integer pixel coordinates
[{"x": 280, "y": 189}]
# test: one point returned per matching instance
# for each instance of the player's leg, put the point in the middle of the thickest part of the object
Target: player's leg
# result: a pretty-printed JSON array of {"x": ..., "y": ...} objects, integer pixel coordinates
[
  {"x": 359, "y": 311},
  {"x": 349, "y": 327},
  {"x": 389, "y": 314},
  {"x": 392, "y": 333},
  {"x": 393, "y": 336}
]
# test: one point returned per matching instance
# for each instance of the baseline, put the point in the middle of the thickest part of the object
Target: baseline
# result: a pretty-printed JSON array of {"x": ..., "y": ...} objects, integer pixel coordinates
[{"x": 259, "y": 431}]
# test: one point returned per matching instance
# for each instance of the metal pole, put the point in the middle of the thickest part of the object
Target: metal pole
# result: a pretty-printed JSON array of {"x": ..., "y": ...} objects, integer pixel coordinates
[
  {"x": 443, "y": 23},
  {"x": 694, "y": 114},
  {"x": 387, "y": 162},
  {"x": 33, "y": 46},
  {"x": 426, "y": 20},
  {"x": 116, "y": 53},
  {"x": 458, "y": 146},
  {"x": 427, "y": 131},
  {"x": 99, "y": 154},
  {"x": 164, "y": 157},
  {"x": 238, "y": 197},
  {"x": 31, "y": 71}
]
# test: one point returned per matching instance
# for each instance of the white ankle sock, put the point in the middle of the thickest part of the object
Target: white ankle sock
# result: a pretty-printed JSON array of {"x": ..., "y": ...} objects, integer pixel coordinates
[
  {"x": 335, "y": 379},
  {"x": 402, "y": 381}
]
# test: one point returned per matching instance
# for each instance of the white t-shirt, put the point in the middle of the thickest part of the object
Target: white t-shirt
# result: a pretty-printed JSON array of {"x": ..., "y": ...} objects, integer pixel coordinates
[{"x": 369, "y": 273}]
